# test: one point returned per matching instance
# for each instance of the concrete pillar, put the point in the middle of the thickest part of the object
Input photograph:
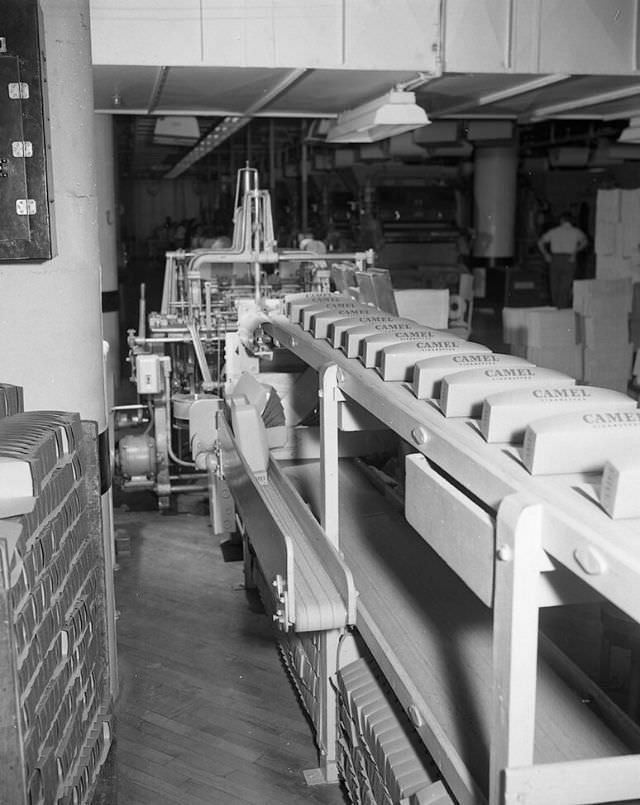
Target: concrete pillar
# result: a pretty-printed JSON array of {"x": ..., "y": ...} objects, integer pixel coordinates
[
  {"x": 107, "y": 241},
  {"x": 494, "y": 196},
  {"x": 50, "y": 312}
]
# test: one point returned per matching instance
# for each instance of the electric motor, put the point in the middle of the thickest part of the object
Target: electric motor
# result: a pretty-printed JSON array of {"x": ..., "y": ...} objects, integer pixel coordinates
[{"x": 137, "y": 456}]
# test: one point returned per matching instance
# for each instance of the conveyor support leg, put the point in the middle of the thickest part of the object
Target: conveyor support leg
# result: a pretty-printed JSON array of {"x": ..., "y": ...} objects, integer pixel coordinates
[{"x": 515, "y": 639}]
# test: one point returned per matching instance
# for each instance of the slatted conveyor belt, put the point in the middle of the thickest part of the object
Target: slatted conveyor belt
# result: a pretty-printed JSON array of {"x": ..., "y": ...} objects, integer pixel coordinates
[{"x": 294, "y": 555}]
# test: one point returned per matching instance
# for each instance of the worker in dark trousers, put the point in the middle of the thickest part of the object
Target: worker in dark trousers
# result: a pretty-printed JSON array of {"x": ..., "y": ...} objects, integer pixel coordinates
[{"x": 559, "y": 247}]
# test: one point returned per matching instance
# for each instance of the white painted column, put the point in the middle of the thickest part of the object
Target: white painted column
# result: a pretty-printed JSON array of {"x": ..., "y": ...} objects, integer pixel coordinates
[
  {"x": 50, "y": 312},
  {"x": 494, "y": 201}
]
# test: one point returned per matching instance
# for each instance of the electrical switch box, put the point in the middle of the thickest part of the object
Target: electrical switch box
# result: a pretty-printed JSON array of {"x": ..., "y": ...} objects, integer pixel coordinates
[
  {"x": 25, "y": 219},
  {"x": 148, "y": 374}
]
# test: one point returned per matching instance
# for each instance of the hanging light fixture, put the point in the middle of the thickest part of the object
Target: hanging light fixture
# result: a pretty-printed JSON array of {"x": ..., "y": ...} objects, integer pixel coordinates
[
  {"x": 632, "y": 133},
  {"x": 394, "y": 113}
]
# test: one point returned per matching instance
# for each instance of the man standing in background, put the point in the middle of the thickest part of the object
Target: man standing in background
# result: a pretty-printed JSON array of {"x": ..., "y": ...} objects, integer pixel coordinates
[{"x": 559, "y": 247}]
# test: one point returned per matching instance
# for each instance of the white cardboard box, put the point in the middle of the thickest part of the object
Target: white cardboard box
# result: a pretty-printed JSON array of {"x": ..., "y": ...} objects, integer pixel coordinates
[
  {"x": 339, "y": 326},
  {"x": 463, "y": 393},
  {"x": 567, "y": 359},
  {"x": 514, "y": 323},
  {"x": 603, "y": 333},
  {"x": 428, "y": 373},
  {"x": 397, "y": 362},
  {"x": 602, "y": 297},
  {"x": 551, "y": 327},
  {"x": 580, "y": 442},
  {"x": 372, "y": 345},
  {"x": 506, "y": 415},
  {"x": 426, "y": 306},
  {"x": 619, "y": 488},
  {"x": 352, "y": 337}
]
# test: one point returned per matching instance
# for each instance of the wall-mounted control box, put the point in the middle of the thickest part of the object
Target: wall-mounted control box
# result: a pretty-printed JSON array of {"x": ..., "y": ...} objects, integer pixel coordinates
[{"x": 25, "y": 216}]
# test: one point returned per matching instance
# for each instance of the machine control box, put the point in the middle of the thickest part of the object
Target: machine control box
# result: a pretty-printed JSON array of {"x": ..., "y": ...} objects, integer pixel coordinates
[{"x": 148, "y": 374}]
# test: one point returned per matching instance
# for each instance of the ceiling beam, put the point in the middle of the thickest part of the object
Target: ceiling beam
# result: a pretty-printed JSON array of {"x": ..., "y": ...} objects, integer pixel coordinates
[
  {"x": 233, "y": 123},
  {"x": 502, "y": 94},
  {"x": 156, "y": 91},
  {"x": 522, "y": 89},
  {"x": 556, "y": 109},
  {"x": 284, "y": 114}
]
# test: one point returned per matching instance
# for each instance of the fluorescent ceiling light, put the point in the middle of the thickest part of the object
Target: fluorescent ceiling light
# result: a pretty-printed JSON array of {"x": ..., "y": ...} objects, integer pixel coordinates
[
  {"x": 393, "y": 113},
  {"x": 176, "y": 130},
  {"x": 632, "y": 133},
  {"x": 212, "y": 139}
]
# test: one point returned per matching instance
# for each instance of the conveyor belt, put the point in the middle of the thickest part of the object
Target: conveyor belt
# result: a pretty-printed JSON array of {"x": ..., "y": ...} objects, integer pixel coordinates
[
  {"x": 291, "y": 548},
  {"x": 432, "y": 638},
  {"x": 318, "y": 604}
]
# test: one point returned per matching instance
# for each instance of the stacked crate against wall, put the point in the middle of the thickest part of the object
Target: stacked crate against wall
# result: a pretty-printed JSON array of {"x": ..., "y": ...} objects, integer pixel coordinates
[
  {"x": 55, "y": 705},
  {"x": 602, "y": 310},
  {"x": 617, "y": 234}
]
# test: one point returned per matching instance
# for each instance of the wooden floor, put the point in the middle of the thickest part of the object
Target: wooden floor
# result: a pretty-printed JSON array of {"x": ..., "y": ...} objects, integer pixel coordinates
[{"x": 206, "y": 714}]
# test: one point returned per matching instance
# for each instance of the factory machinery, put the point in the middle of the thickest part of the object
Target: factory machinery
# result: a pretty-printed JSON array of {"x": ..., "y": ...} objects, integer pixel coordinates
[
  {"x": 188, "y": 350},
  {"x": 408, "y": 501}
]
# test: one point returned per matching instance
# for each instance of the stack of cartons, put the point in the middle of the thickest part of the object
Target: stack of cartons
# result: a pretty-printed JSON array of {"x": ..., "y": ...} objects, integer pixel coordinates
[
  {"x": 617, "y": 234},
  {"x": 545, "y": 336},
  {"x": 54, "y": 673},
  {"x": 378, "y": 758},
  {"x": 591, "y": 342},
  {"x": 552, "y": 341},
  {"x": 602, "y": 308},
  {"x": 514, "y": 328},
  {"x": 11, "y": 399}
]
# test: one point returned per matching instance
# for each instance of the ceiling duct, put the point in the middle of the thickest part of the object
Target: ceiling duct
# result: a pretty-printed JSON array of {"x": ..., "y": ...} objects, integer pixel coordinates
[
  {"x": 439, "y": 132},
  {"x": 616, "y": 153},
  {"x": 569, "y": 157},
  {"x": 489, "y": 130},
  {"x": 373, "y": 152},
  {"x": 404, "y": 146}
]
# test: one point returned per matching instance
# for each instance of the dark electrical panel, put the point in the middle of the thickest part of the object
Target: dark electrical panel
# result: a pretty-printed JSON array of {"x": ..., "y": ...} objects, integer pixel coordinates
[{"x": 25, "y": 221}]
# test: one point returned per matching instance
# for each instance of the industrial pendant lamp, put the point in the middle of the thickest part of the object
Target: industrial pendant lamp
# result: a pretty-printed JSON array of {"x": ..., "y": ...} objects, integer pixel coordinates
[
  {"x": 632, "y": 133},
  {"x": 394, "y": 113}
]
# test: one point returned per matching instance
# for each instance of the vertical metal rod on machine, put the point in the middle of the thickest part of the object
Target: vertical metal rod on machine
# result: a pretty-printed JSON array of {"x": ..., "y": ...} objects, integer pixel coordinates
[{"x": 304, "y": 178}]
